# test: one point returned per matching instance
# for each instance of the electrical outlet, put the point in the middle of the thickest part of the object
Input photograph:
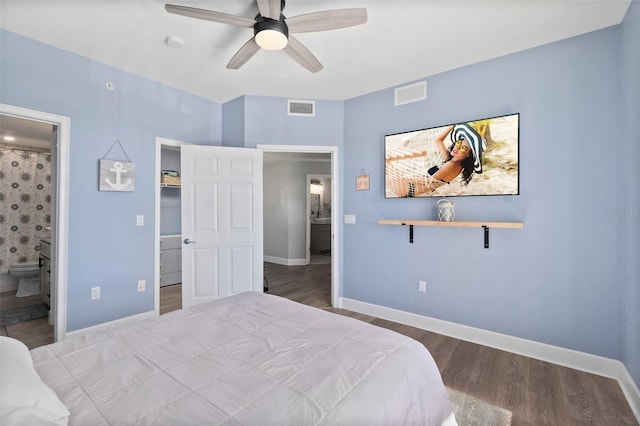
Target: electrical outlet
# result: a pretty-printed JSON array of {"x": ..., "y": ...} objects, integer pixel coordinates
[
  {"x": 422, "y": 286},
  {"x": 142, "y": 285},
  {"x": 95, "y": 293},
  {"x": 140, "y": 220}
]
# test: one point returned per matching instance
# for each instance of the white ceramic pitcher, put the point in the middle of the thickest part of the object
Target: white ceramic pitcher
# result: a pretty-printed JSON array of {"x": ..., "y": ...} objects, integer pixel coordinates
[{"x": 446, "y": 210}]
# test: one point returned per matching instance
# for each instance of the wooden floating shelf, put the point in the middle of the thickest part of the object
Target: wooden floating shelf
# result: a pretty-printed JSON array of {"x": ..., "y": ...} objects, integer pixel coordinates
[
  {"x": 462, "y": 224},
  {"x": 459, "y": 224}
]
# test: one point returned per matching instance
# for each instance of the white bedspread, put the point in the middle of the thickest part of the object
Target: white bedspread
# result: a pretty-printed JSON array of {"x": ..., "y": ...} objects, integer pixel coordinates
[{"x": 246, "y": 359}]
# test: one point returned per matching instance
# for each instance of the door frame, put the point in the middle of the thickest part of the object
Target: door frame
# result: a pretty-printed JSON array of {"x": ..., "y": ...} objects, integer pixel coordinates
[
  {"x": 60, "y": 215},
  {"x": 335, "y": 205}
]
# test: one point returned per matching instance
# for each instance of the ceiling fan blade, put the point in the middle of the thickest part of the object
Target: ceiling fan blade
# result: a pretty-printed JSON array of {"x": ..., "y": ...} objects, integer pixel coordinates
[
  {"x": 302, "y": 55},
  {"x": 327, "y": 20},
  {"x": 270, "y": 8},
  {"x": 243, "y": 54},
  {"x": 209, "y": 15}
]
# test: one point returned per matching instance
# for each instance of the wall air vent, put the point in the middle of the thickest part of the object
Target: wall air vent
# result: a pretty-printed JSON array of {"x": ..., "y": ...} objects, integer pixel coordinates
[
  {"x": 302, "y": 108},
  {"x": 411, "y": 93}
]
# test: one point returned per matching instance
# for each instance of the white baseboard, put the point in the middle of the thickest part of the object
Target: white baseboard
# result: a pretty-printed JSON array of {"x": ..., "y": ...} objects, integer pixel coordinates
[
  {"x": 111, "y": 324},
  {"x": 284, "y": 261},
  {"x": 582, "y": 361},
  {"x": 630, "y": 390}
]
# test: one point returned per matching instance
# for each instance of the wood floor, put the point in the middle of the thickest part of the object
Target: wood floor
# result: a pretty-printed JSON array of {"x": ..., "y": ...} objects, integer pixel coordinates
[
  {"x": 32, "y": 333},
  {"x": 536, "y": 392}
]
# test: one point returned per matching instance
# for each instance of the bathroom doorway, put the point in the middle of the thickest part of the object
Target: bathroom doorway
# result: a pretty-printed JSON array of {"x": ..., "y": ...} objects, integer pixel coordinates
[
  {"x": 25, "y": 189},
  {"x": 319, "y": 202},
  {"x": 39, "y": 141}
]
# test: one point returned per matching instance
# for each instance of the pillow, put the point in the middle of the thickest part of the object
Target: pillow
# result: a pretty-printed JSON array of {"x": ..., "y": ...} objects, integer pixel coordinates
[{"x": 24, "y": 398}]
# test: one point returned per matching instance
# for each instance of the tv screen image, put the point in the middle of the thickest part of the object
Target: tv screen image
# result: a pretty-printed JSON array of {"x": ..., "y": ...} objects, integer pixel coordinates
[{"x": 469, "y": 158}]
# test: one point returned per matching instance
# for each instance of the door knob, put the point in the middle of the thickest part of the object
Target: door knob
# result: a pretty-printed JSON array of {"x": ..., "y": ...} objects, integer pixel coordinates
[{"x": 188, "y": 241}]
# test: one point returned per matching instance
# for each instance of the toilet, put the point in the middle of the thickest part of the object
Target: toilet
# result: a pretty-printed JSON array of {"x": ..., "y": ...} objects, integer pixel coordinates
[{"x": 28, "y": 275}]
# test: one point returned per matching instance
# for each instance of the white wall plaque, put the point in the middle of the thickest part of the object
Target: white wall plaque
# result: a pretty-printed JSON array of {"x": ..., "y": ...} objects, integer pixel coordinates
[{"x": 117, "y": 175}]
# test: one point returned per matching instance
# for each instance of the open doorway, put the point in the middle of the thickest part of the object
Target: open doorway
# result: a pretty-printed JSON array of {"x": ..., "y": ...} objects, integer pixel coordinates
[
  {"x": 38, "y": 131},
  {"x": 168, "y": 226},
  {"x": 319, "y": 218},
  {"x": 25, "y": 189},
  {"x": 287, "y": 238}
]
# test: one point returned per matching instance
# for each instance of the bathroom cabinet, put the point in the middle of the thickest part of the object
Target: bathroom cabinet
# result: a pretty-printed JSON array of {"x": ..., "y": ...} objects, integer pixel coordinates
[
  {"x": 320, "y": 237},
  {"x": 170, "y": 259},
  {"x": 45, "y": 271}
]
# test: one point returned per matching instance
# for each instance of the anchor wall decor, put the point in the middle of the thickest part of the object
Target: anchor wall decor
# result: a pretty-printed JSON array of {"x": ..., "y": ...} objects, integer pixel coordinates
[{"x": 117, "y": 175}]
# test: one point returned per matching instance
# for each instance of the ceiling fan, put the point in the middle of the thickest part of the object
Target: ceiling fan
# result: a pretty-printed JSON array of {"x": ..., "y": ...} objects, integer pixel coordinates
[{"x": 272, "y": 30}]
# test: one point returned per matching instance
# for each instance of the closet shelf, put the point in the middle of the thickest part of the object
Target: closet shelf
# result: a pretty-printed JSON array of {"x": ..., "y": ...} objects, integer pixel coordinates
[
  {"x": 169, "y": 185},
  {"x": 455, "y": 223}
]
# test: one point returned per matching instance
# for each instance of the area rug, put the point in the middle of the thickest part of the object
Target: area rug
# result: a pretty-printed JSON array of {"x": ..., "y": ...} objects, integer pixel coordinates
[
  {"x": 22, "y": 314},
  {"x": 472, "y": 411}
]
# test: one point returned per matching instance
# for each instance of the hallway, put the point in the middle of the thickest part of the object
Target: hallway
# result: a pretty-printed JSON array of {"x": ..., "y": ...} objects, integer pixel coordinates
[{"x": 310, "y": 284}]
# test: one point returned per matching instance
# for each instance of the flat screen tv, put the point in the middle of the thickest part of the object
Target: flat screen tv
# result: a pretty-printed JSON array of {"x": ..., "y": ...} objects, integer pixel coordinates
[{"x": 470, "y": 158}]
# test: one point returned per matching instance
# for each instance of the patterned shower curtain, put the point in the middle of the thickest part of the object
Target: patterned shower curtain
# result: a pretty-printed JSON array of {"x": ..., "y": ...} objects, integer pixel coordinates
[{"x": 25, "y": 197}]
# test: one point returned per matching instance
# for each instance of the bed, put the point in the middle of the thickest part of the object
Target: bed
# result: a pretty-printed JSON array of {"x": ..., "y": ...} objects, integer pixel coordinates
[{"x": 247, "y": 359}]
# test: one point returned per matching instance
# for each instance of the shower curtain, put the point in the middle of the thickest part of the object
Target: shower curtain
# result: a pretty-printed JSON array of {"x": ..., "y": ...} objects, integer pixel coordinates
[{"x": 25, "y": 197}]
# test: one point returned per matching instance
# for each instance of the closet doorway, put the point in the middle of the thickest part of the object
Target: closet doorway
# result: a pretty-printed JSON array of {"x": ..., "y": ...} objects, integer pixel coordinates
[{"x": 168, "y": 226}]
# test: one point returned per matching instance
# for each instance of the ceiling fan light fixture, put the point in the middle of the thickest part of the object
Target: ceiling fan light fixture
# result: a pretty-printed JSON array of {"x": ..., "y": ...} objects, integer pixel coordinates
[
  {"x": 271, "y": 34},
  {"x": 271, "y": 40}
]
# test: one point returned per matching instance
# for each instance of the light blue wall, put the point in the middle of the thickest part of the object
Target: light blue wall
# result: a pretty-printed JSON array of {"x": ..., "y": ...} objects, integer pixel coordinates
[
  {"x": 106, "y": 248},
  {"x": 267, "y": 122},
  {"x": 559, "y": 280},
  {"x": 252, "y": 120},
  {"x": 630, "y": 90},
  {"x": 233, "y": 122}
]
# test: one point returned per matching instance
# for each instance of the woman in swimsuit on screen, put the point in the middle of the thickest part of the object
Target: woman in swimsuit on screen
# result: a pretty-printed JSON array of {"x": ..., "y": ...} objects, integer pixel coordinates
[{"x": 459, "y": 159}]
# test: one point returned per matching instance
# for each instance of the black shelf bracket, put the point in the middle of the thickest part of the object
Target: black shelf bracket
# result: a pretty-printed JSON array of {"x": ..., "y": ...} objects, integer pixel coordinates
[
  {"x": 486, "y": 236},
  {"x": 410, "y": 232}
]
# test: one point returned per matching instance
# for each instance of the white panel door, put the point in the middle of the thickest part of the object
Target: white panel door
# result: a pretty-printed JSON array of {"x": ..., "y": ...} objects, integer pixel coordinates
[{"x": 222, "y": 251}]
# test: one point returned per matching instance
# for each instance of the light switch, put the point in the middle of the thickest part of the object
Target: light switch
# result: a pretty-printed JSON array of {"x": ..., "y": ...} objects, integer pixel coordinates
[
  {"x": 350, "y": 219},
  {"x": 140, "y": 220}
]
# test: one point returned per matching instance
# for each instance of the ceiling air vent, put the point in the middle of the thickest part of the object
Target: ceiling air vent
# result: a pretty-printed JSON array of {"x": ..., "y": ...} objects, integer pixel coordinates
[
  {"x": 411, "y": 93},
  {"x": 303, "y": 108}
]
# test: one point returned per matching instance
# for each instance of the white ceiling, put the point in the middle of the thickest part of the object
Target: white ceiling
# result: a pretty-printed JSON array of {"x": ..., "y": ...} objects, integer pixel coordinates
[
  {"x": 20, "y": 132},
  {"x": 403, "y": 40}
]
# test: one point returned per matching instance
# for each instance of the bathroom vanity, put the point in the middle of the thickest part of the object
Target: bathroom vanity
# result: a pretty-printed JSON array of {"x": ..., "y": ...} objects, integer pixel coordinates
[{"x": 320, "y": 236}]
